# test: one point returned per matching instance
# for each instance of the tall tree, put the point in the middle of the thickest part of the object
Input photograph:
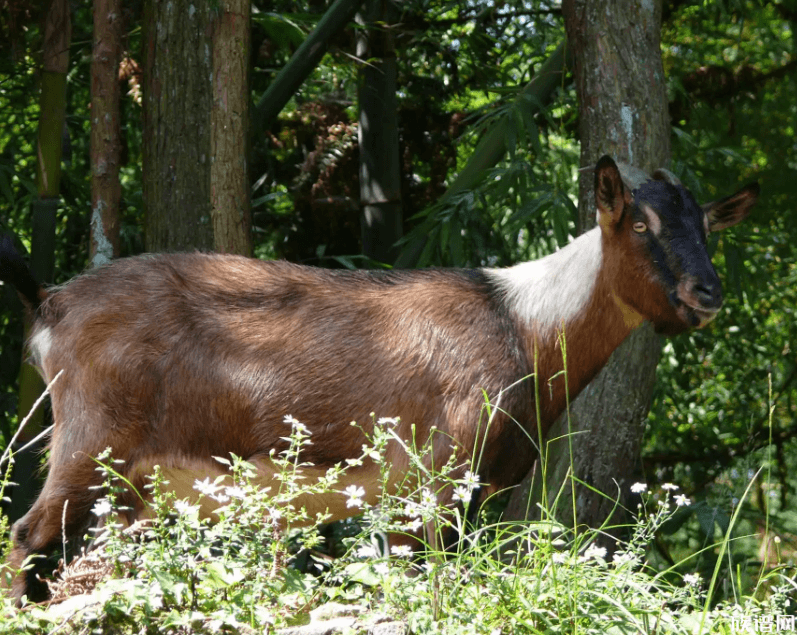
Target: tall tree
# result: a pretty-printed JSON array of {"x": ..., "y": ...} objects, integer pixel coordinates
[
  {"x": 229, "y": 129},
  {"x": 196, "y": 188},
  {"x": 176, "y": 140},
  {"x": 106, "y": 146},
  {"x": 623, "y": 112},
  {"x": 52, "y": 114},
  {"x": 190, "y": 90},
  {"x": 378, "y": 135}
]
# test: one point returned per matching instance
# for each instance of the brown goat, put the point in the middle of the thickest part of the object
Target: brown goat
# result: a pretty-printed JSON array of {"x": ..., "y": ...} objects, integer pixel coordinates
[{"x": 175, "y": 359}]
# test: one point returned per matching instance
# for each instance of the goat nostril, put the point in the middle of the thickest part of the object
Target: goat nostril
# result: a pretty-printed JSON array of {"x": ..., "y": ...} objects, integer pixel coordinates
[{"x": 709, "y": 296}]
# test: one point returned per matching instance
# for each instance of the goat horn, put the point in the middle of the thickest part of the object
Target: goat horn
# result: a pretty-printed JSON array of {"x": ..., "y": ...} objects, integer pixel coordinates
[
  {"x": 662, "y": 174},
  {"x": 632, "y": 176}
]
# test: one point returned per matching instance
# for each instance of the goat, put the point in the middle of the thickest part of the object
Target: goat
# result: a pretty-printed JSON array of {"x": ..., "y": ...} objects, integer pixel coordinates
[{"x": 173, "y": 359}]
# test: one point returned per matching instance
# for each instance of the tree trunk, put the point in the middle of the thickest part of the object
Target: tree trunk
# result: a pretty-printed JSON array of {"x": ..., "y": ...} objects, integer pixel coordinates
[
  {"x": 380, "y": 174},
  {"x": 623, "y": 112},
  {"x": 229, "y": 130},
  {"x": 106, "y": 145},
  {"x": 177, "y": 105},
  {"x": 52, "y": 114}
]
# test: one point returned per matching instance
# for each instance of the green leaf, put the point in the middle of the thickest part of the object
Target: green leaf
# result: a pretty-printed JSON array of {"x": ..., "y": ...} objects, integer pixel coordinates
[
  {"x": 534, "y": 207},
  {"x": 431, "y": 244},
  {"x": 219, "y": 576},
  {"x": 282, "y": 31},
  {"x": 173, "y": 586},
  {"x": 445, "y": 229},
  {"x": 362, "y": 572},
  {"x": 455, "y": 242},
  {"x": 266, "y": 198}
]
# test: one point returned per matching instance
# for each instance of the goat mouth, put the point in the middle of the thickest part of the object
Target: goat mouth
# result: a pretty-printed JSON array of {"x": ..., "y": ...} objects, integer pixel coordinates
[
  {"x": 692, "y": 312},
  {"x": 700, "y": 316}
]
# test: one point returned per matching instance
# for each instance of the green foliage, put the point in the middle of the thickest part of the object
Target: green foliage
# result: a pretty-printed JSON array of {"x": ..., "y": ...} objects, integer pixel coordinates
[
  {"x": 460, "y": 68},
  {"x": 733, "y": 100},
  {"x": 732, "y": 89}
]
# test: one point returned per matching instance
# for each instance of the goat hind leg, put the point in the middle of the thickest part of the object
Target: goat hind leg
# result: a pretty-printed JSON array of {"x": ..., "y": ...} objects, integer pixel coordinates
[{"x": 62, "y": 509}]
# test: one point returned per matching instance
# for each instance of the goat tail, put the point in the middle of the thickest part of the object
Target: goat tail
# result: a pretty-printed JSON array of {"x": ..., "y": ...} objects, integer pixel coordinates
[{"x": 15, "y": 271}]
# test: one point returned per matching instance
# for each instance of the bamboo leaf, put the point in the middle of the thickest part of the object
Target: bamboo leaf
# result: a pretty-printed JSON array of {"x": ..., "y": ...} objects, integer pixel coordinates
[
  {"x": 456, "y": 245},
  {"x": 426, "y": 255},
  {"x": 303, "y": 61}
]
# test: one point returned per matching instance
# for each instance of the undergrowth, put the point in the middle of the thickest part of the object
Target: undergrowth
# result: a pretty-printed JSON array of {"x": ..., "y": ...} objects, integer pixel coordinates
[{"x": 178, "y": 572}]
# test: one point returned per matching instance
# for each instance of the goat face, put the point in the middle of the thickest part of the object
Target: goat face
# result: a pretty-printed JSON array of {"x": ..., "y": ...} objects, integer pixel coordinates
[{"x": 655, "y": 247}]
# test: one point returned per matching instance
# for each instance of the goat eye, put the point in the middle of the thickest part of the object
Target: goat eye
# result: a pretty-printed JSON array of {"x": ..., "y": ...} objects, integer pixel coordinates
[{"x": 640, "y": 227}]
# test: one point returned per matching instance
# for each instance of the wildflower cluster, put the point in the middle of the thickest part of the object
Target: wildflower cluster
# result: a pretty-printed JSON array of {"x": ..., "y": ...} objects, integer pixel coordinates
[{"x": 240, "y": 572}]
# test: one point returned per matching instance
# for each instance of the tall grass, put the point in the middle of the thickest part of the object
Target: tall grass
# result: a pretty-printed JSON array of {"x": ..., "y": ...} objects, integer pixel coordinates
[{"x": 180, "y": 573}]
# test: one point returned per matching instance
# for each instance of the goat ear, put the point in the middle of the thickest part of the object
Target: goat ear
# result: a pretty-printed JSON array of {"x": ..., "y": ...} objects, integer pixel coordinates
[
  {"x": 610, "y": 195},
  {"x": 733, "y": 209}
]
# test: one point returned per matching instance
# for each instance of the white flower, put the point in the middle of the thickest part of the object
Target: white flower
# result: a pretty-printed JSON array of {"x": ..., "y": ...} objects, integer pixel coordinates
[
  {"x": 206, "y": 487},
  {"x": 220, "y": 498},
  {"x": 184, "y": 507},
  {"x": 639, "y": 488},
  {"x": 682, "y": 500},
  {"x": 471, "y": 479},
  {"x": 234, "y": 491},
  {"x": 384, "y": 421},
  {"x": 415, "y": 524},
  {"x": 428, "y": 499},
  {"x": 669, "y": 487},
  {"x": 301, "y": 429},
  {"x": 367, "y": 551},
  {"x": 102, "y": 507},
  {"x": 413, "y": 510},
  {"x": 623, "y": 557},
  {"x": 298, "y": 427},
  {"x": 425, "y": 508},
  {"x": 692, "y": 579},
  {"x": 355, "y": 494},
  {"x": 354, "y": 491},
  {"x": 594, "y": 552},
  {"x": 461, "y": 493},
  {"x": 401, "y": 551},
  {"x": 382, "y": 568}
]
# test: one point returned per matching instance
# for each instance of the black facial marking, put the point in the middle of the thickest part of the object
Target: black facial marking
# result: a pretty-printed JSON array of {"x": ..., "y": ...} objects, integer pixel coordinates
[
  {"x": 680, "y": 248},
  {"x": 659, "y": 257}
]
